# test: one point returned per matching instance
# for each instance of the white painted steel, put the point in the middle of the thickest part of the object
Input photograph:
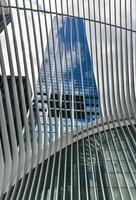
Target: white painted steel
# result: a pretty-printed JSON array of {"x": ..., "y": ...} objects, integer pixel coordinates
[{"x": 44, "y": 152}]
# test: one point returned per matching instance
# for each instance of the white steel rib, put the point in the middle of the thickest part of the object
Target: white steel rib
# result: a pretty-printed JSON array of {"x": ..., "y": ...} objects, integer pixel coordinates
[{"x": 67, "y": 100}]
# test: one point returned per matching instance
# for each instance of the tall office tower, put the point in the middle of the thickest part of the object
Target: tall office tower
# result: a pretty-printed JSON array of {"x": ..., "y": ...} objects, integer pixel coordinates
[{"x": 67, "y": 78}]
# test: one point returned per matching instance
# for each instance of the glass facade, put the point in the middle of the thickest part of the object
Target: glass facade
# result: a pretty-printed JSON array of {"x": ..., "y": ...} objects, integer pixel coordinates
[{"x": 101, "y": 166}]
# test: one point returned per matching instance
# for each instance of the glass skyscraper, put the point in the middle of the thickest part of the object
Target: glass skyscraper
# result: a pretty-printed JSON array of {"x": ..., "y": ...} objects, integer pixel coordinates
[{"x": 68, "y": 78}]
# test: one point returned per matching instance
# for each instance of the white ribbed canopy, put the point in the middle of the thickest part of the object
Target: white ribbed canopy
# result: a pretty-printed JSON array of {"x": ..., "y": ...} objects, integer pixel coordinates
[{"x": 67, "y": 99}]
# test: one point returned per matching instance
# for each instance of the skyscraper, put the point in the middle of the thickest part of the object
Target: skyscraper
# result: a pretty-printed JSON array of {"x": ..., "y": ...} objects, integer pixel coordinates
[{"x": 67, "y": 78}]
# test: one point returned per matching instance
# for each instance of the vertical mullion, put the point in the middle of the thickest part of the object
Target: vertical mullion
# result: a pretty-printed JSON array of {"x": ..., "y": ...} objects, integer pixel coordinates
[
  {"x": 55, "y": 63},
  {"x": 21, "y": 88},
  {"x": 61, "y": 57},
  {"x": 83, "y": 85},
  {"x": 25, "y": 113},
  {"x": 15, "y": 164},
  {"x": 46, "y": 84},
  {"x": 132, "y": 81},
  {"x": 76, "y": 55},
  {"x": 56, "y": 132},
  {"x": 43, "y": 111},
  {"x": 50, "y": 142},
  {"x": 23, "y": 102},
  {"x": 114, "y": 93},
  {"x": 120, "y": 161},
  {"x": 64, "y": 34},
  {"x": 44, "y": 117},
  {"x": 34, "y": 83},
  {"x": 109, "y": 100},
  {"x": 125, "y": 111},
  {"x": 97, "y": 71},
  {"x": 104, "y": 104},
  {"x": 56, "y": 123},
  {"x": 71, "y": 57},
  {"x": 93, "y": 100},
  {"x": 27, "y": 81},
  {"x": 75, "y": 20},
  {"x": 29, "y": 99},
  {"x": 38, "y": 66},
  {"x": 126, "y": 64},
  {"x": 6, "y": 148}
]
